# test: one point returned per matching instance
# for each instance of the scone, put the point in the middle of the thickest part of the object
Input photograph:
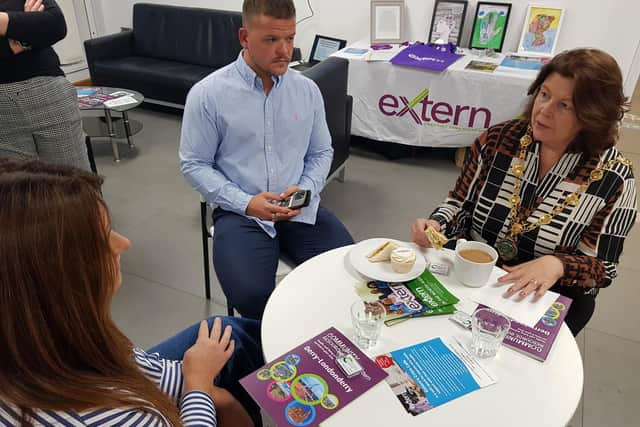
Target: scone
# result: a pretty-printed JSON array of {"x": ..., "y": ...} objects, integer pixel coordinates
[
  {"x": 403, "y": 259},
  {"x": 382, "y": 252}
]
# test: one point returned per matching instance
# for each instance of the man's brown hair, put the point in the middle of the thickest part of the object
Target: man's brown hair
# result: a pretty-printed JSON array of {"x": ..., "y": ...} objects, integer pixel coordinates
[
  {"x": 279, "y": 9},
  {"x": 598, "y": 97}
]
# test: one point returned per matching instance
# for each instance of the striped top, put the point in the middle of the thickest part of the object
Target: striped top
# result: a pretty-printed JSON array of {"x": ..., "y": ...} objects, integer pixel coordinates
[
  {"x": 587, "y": 238},
  {"x": 196, "y": 407}
]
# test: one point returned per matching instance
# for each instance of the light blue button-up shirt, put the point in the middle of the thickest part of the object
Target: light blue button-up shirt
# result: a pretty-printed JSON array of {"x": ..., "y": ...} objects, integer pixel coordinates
[{"x": 237, "y": 142}]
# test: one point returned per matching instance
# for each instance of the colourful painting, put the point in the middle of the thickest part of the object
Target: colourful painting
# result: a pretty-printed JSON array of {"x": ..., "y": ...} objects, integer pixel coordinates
[
  {"x": 490, "y": 25},
  {"x": 540, "y": 32}
]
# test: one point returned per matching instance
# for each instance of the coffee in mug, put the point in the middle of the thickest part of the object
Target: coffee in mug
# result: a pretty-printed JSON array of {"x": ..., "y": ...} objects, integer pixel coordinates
[
  {"x": 474, "y": 262},
  {"x": 476, "y": 255}
]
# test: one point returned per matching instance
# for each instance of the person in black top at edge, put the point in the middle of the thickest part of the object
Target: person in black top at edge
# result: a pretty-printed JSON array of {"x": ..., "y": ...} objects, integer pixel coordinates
[{"x": 39, "y": 114}]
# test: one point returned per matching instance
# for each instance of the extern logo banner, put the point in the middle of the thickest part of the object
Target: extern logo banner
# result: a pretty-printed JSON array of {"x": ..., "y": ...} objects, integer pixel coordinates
[
  {"x": 424, "y": 111},
  {"x": 426, "y": 108}
]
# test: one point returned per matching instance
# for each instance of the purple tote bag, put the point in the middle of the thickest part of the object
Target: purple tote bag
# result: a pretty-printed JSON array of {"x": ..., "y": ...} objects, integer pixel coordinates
[{"x": 426, "y": 56}]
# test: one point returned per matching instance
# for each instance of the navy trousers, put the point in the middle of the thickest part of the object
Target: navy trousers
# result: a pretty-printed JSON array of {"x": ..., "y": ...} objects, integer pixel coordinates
[
  {"x": 247, "y": 356},
  {"x": 246, "y": 258}
]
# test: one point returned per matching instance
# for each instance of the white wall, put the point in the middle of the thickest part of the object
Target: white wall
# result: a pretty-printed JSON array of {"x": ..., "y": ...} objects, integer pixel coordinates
[
  {"x": 69, "y": 49},
  {"x": 611, "y": 25}
]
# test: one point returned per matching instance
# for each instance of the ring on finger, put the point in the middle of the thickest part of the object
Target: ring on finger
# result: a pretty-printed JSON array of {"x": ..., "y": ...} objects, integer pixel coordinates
[{"x": 533, "y": 281}]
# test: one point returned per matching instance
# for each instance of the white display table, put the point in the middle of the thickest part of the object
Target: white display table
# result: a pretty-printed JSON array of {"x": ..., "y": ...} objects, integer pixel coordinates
[
  {"x": 318, "y": 294},
  {"x": 461, "y": 103}
]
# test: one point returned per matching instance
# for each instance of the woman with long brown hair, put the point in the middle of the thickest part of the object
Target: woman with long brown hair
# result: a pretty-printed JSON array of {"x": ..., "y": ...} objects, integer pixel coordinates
[{"x": 63, "y": 361}]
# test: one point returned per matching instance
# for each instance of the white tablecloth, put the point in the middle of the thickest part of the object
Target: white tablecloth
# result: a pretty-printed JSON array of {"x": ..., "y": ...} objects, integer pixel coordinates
[{"x": 461, "y": 103}]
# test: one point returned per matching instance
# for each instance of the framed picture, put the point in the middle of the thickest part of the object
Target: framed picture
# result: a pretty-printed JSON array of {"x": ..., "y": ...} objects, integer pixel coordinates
[
  {"x": 490, "y": 25},
  {"x": 447, "y": 21},
  {"x": 387, "y": 20},
  {"x": 540, "y": 32}
]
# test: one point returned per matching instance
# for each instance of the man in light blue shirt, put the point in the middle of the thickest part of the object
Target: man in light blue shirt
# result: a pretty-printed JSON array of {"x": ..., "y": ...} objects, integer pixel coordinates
[{"x": 252, "y": 134}]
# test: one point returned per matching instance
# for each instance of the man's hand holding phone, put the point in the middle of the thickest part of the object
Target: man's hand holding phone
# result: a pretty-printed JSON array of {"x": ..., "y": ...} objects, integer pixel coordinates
[
  {"x": 283, "y": 207},
  {"x": 265, "y": 206},
  {"x": 295, "y": 198}
]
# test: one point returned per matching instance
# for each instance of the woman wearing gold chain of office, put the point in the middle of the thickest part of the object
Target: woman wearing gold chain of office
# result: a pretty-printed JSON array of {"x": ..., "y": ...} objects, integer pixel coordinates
[{"x": 550, "y": 192}]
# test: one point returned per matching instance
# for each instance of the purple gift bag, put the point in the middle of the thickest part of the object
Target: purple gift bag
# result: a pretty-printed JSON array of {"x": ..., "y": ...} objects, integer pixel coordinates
[{"x": 427, "y": 56}]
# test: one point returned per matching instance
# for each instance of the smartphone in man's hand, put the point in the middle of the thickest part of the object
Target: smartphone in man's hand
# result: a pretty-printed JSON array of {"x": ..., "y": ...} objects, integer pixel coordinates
[{"x": 297, "y": 200}]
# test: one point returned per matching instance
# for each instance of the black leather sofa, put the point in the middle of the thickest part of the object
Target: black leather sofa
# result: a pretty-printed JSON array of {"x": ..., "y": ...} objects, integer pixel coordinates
[{"x": 169, "y": 49}]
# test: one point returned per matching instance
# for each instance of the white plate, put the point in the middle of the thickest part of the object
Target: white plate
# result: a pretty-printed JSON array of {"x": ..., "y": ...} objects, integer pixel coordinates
[{"x": 382, "y": 270}]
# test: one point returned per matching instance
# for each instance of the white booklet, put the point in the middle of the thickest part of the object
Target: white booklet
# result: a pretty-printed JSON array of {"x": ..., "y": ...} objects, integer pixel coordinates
[
  {"x": 384, "y": 54},
  {"x": 118, "y": 102},
  {"x": 526, "y": 311}
]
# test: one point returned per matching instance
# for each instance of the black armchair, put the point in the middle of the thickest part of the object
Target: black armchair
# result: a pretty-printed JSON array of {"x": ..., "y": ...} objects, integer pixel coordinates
[{"x": 331, "y": 76}]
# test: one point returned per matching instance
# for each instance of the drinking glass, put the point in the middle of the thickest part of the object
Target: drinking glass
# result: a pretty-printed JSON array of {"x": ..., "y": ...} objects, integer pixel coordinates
[
  {"x": 488, "y": 329},
  {"x": 367, "y": 318}
]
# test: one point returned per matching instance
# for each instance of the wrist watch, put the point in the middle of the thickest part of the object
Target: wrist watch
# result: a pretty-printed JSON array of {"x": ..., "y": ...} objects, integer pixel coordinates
[{"x": 25, "y": 46}]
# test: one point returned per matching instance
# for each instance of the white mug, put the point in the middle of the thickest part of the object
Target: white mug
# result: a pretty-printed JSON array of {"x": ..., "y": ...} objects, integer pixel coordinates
[{"x": 470, "y": 273}]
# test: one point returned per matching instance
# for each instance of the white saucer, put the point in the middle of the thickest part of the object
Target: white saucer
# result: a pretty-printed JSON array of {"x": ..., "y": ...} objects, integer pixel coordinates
[{"x": 382, "y": 270}]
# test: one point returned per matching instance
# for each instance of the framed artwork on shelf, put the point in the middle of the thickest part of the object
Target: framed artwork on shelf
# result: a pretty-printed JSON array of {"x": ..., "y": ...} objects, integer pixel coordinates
[
  {"x": 490, "y": 25},
  {"x": 447, "y": 21},
  {"x": 540, "y": 31},
  {"x": 387, "y": 21}
]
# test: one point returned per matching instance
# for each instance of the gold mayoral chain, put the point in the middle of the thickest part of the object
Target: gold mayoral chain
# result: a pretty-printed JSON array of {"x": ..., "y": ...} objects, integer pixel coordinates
[{"x": 508, "y": 246}]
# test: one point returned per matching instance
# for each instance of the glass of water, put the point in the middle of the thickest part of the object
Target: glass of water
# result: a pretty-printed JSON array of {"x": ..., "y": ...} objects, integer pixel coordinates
[
  {"x": 488, "y": 329},
  {"x": 367, "y": 318}
]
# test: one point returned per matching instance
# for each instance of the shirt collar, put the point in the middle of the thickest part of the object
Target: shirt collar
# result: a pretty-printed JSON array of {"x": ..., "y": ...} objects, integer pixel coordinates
[{"x": 250, "y": 76}]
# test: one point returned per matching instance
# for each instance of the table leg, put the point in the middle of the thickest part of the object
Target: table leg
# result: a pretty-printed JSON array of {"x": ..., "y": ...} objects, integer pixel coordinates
[
  {"x": 112, "y": 135},
  {"x": 92, "y": 160},
  {"x": 127, "y": 127}
]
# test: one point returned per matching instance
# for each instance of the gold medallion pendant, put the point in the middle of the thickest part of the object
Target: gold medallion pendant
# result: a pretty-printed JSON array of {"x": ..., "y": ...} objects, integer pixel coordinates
[{"x": 507, "y": 248}]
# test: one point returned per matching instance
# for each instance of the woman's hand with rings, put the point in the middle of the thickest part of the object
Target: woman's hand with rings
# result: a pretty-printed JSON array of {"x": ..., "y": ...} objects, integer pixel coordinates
[{"x": 536, "y": 276}]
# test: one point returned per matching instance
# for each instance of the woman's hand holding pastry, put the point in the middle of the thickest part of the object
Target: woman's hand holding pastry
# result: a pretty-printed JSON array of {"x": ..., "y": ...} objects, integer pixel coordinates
[
  {"x": 536, "y": 276},
  {"x": 418, "y": 231}
]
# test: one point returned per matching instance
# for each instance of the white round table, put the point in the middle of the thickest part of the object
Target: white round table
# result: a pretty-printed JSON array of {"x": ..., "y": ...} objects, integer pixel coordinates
[{"x": 318, "y": 294}]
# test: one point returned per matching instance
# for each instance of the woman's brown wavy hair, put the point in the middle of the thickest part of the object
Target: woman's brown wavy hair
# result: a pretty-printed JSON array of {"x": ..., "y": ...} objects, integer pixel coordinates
[
  {"x": 59, "y": 348},
  {"x": 598, "y": 96}
]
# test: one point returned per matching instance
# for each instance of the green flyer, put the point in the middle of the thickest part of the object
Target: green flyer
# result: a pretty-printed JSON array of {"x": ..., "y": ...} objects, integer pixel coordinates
[{"x": 430, "y": 291}]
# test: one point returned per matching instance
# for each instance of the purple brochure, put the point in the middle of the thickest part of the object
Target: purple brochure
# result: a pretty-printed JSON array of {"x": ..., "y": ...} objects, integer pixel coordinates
[
  {"x": 537, "y": 342},
  {"x": 305, "y": 386}
]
